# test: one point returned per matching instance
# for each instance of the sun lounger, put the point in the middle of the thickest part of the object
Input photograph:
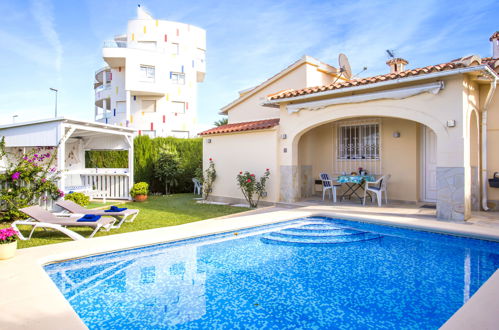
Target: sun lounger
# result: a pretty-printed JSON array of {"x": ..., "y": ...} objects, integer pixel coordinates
[
  {"x": 41, "y": 218},
  {"x": 121, "y": 215}
]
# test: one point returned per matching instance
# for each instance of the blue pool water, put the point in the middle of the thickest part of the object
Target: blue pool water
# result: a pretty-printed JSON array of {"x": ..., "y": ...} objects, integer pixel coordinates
[{"x": 308, "y": 273}]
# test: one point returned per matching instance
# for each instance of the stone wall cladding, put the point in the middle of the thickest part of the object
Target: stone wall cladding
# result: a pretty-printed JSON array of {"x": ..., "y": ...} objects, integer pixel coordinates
[
  {"x": 290, "y": 183},
  {"x": 306, "y": 181},
  {"x": 451, "y": 194}
]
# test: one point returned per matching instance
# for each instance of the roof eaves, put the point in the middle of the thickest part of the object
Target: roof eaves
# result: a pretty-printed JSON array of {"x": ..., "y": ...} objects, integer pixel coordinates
[{"x": 424, "y": 76}]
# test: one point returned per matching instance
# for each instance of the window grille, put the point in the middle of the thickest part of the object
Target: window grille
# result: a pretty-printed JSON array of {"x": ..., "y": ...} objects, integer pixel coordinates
[
  {"x": 357, "y": 144},
  {"x": 358, "y": 141}
]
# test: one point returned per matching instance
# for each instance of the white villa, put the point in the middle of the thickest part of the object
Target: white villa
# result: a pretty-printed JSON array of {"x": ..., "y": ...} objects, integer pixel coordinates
[
  {"x": 434, "y": 129},
  {"x": 150, "y": 79}
]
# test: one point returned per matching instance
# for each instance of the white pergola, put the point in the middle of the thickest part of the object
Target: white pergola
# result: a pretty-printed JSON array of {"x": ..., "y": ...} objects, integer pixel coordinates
[{"x": 72, "y": 138}]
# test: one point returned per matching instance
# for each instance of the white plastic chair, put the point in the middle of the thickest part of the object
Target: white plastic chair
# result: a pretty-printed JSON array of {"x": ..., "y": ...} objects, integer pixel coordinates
[
  {"x": 377, "y": 187},
  {"x": 198, "y": 187},
  {"x": 329, "y": 186}
]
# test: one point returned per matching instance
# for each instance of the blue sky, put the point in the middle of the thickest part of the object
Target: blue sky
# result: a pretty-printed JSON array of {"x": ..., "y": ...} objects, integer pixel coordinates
[{"x": 56, "y": 43}]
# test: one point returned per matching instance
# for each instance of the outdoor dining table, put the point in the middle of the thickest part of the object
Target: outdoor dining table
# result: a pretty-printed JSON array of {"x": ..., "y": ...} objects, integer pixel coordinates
[{"x": 353, "y": 184}]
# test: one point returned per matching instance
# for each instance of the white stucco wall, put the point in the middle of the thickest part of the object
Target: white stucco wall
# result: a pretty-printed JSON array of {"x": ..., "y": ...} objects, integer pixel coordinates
[
  {"x": 308, "y": 74},
  {"x": 233, "y": 153}
]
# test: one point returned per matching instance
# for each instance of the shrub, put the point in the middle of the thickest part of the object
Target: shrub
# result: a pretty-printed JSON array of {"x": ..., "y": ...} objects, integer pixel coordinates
[
  {"x": 209, "y": 176},
  {"x": 189, "y": 154},
  {"x": 251, "y": 187},
  {"x": 106, "y": 158},
  {"x": 140, "y": 188},
  {"x": 27, "y": 179},
  {"x": 167, "y": 170},
  {"x": 78, "y": 197}
]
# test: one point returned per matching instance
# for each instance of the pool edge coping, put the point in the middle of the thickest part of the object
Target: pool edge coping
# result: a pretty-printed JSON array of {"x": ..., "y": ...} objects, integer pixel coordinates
[{"x": 27, "y": 267}]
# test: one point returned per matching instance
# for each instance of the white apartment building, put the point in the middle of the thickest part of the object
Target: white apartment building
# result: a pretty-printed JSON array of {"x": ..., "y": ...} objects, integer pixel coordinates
[{"x": 150, "y": 81}]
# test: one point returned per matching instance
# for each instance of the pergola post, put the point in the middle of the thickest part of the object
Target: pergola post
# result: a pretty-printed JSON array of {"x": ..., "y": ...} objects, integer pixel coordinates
[{"x": 129, "y": 139}]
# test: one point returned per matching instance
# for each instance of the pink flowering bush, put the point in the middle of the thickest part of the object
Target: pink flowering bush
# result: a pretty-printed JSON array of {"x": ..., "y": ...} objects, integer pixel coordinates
[
  {"x": 8, "y": 235},
  {"x": 27, "y": 179},
  {"x": 252, "y": 188}
]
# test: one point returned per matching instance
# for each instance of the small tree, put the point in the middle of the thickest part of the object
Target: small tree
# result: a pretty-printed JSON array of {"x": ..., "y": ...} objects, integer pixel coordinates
[
  {"x": 252, "y": 188},
  {"x": 167, "y": 170},
  {"x": 221, "y": 122},
  {"x": 209, "y": 176},
  {"x": 26, "y": 179}
]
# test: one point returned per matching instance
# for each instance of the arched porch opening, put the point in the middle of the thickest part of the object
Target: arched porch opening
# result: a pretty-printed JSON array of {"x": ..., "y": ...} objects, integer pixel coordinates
[{"x": 403, "y": 148}]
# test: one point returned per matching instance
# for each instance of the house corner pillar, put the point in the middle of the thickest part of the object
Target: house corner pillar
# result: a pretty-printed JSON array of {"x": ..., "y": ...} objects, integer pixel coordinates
[{"x": 453, "y": 203}]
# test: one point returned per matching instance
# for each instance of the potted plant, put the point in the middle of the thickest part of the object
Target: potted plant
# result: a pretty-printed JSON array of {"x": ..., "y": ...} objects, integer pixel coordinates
[
  {"x": 8, "y": 243},
  {"x": 139, "y": 191}
]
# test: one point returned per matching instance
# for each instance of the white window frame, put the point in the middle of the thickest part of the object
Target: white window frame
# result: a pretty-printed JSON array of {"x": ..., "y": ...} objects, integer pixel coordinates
[
  {"x": 175, "y": 110},
  {"x": 175, "y": 48},
  {"x": 144, "y": 101},
  {"x": 178, "y": 78},
  {"x": 359, "y": 140},
  {"x": 151, "y": 134},
  {"x": 147, "y": 73}
]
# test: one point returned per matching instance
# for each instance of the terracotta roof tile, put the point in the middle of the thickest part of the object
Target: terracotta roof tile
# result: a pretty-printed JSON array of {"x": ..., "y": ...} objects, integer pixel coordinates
[
  {"x": 370, "y": 80},
  {"x": 244, "y": 126}
]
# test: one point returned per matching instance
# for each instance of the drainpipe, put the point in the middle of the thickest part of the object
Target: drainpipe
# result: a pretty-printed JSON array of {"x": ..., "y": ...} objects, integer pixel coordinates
[{"x": 493, "y": 86}]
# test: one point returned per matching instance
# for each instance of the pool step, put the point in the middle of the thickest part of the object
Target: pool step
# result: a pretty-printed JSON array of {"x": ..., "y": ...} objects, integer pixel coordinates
[
  {"x": 320, "y": 226},
  {"x": 317, "y": 234}
]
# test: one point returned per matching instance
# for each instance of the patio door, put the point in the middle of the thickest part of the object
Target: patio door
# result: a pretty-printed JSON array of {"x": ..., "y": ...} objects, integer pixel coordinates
[{"x": 429, "y": 166}]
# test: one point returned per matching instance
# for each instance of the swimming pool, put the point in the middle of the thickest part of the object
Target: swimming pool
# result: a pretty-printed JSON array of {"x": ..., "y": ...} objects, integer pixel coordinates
[{"x": 310, "y": 273}]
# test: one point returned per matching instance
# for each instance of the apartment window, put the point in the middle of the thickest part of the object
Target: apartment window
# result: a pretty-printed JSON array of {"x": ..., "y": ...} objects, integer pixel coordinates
[
  {"x": 178, "y": 107},
  {"x": 147, "y": 45},
  {"x": 151, "y": 134},
  {"x": 121, "y": 106},
  {"x": 358, "y": 141},
  {"x": 180, "y": 134},
  {"x": 175, "y": 49},
  {"x": 147, "y": 73},
  {"x": 177, "y": 78},
  {"x": 149, "y": 105},
  {"x": 109, "y": 76},
  {"x": 201, "y": 54}
]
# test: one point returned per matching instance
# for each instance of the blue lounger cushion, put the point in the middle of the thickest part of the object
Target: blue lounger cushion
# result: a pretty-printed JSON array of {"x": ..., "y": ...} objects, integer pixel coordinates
[
  {"x": 116, "y": 209},
  {"x": 89, "y": 218}
]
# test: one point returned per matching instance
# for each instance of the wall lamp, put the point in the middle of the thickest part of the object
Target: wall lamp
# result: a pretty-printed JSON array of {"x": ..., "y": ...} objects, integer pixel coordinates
[
  {"x": 208, "y": 140},
  {"x": 451, "y": 123},
  {"x": 396, "y": 135},
  {"x": 284, "y": 136}
]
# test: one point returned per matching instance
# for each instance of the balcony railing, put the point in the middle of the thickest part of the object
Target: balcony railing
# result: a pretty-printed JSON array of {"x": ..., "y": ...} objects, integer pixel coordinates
[
  {"x": 115, "y": 44},
  {"x": 103, "y": 87}
]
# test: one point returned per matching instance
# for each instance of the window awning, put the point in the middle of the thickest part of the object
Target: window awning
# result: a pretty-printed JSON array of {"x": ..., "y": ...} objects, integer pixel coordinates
[{"x": 394, "y": 94}]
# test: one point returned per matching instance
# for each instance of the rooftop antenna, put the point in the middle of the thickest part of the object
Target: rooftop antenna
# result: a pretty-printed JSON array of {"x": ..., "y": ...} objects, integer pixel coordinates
[
  {"x": 391, "y": 53},
  {"x": 345, "y": 69},
  {"x": 357, "y": 74}
]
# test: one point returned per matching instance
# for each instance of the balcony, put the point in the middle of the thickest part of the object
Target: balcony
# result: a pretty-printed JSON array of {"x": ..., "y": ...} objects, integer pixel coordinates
[
  {"x": 102, "y": 92},
  {"x": 100, "y": 74}
]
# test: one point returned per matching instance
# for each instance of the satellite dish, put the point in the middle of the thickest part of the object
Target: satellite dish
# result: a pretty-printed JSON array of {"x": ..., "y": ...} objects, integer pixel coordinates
[{"x": 345, "y": 68}]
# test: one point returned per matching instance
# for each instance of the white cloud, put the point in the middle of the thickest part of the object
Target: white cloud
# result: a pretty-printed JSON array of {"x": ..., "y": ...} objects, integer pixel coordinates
[{"x": 42, "y": 12}]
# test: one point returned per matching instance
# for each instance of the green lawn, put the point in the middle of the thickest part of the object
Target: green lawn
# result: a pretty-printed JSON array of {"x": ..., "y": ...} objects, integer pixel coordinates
[
  {"x": 157, "y": 211},
  {"x": 96, "y": 204}
]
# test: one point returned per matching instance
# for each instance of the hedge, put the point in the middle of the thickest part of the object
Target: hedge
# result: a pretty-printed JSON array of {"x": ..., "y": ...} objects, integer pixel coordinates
[{"x": 147, "y": 151}]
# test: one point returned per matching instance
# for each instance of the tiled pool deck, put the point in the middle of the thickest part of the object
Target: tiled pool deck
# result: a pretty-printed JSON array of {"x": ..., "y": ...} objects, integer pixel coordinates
[{"x": 31, "y": 300}]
